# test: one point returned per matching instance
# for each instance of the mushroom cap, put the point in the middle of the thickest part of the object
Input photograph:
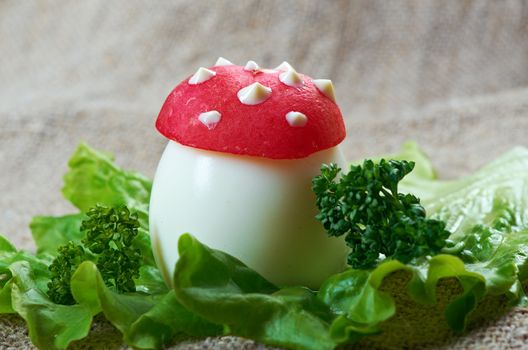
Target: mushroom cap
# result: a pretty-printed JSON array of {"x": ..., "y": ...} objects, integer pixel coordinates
[{"x": 259, "y": 129}]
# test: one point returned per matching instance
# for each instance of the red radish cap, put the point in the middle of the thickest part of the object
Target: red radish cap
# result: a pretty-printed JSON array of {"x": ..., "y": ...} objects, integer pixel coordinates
[{"x": 247, "y": 110}]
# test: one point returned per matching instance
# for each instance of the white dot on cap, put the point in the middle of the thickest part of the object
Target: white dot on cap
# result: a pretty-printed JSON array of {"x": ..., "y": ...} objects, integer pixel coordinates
[
  {"x": 251, "y": 66},
  {"x": 291, "y": 78},
  {"x": 210, "y": 119},
  {"x": 201, "y": 75},
  {"x": 254, "y": 94},
  {"x": 284, "y": 66},
  {"x": 296, "y": 119},
  {"x": 223, "y": 62},
  {"x": 326, "y": 87}
]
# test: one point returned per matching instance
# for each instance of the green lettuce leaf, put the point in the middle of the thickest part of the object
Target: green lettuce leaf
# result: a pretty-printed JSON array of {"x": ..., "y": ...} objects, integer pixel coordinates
[
  {"x": 167, "y": 322},
  {"x": 147, "y": 321},
  {"x": 23, "y": 285},
  {"x": 7, "y": 250},
  {"x": 150, "y": 281},
  {"x": 223, "y": 290},
  {"x": 120, "y": 309},
  {"x": 10, "y": 255},
  {"x": 363, "y": 300},
  {"x": 49, "y": 232},
  {"x": 488, "y": 215},
  {"x": 6, "y": 246},
  {"x": 50, "y": 326},
  {"x": 93, "y": 179}
]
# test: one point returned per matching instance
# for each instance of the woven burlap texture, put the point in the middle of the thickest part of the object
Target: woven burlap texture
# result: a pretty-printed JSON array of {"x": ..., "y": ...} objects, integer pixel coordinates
[{"x": 452, "y": 75}]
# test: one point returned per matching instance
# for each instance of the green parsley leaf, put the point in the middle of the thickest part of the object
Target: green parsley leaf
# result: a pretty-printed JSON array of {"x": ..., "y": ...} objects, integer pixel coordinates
[
  {"x": 364, "y": 206},
  {"x": 109, "y": 233}
]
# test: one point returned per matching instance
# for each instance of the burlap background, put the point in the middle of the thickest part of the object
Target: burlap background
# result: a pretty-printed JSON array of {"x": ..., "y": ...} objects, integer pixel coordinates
[{"x": 452, "y": 75}]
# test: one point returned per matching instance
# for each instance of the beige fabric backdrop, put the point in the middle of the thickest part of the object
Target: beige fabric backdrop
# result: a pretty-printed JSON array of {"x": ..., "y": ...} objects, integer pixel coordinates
[{"x": 452, "y": 75}]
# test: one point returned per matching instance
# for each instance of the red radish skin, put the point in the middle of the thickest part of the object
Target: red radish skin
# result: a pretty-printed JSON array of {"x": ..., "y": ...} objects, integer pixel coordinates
[{"x": 260, "y": 130}]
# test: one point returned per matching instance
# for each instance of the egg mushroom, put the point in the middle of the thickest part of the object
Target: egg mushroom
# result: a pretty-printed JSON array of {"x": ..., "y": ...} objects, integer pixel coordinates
[{"x": 244, "y": 144}]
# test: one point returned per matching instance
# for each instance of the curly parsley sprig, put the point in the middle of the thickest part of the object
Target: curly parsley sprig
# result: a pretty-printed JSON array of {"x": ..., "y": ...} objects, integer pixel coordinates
[
  {"x": 109, "y": 233},
  {"x": 364, "y": 205}
]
